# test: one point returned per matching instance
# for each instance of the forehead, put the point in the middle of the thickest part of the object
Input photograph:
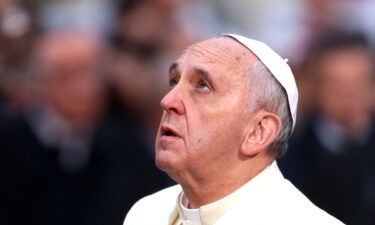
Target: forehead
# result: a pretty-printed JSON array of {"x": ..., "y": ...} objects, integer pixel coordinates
[
  {"x": 346, "y": 64},
  {"x": 67, "y": 49},
  {"x": 222, "y": 52}
]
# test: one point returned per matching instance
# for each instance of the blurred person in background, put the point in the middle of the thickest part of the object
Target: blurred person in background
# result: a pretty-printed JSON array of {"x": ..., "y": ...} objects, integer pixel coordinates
[
  {"x": 336, "y": 165},
  {"x": 61, "y": 162},
  {"x": 17, "y": 30},
  {"x": 146, "y": 37}
]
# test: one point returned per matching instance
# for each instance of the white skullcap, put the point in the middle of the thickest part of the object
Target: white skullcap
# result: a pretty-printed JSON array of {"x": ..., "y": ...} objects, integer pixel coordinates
[{"x": 277, "y": 66}]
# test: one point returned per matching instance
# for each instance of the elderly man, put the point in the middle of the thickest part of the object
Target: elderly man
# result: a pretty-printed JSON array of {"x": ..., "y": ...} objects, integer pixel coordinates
[{"x": 228, "y": 115}]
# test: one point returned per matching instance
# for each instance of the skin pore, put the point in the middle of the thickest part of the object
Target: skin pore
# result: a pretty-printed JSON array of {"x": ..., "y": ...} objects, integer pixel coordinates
[{"x": 209, "y": 140}]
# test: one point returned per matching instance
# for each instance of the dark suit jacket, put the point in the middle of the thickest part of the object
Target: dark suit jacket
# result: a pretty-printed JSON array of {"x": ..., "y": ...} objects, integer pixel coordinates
[
  {"x": 338, "y": 183},
  {"x": 35, "y": 190}
]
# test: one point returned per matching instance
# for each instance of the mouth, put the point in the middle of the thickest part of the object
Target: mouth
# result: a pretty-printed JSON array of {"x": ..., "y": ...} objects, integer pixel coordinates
[{"x": 169, "y": 132}]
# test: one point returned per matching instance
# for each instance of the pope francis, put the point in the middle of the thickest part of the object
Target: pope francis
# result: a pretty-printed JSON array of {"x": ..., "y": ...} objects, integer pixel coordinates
[{"x": 227, "y": 117}]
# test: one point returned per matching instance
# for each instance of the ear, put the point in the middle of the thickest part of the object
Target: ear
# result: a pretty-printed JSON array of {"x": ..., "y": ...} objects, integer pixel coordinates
[{"x": 262, "y": 131}]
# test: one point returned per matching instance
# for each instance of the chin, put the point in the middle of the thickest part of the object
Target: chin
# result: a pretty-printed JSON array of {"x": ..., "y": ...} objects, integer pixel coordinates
[{"x": 167, "y": 161}]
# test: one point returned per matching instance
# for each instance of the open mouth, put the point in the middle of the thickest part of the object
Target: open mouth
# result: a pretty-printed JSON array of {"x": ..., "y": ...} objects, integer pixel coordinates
[{"x": 166, "y": 131}]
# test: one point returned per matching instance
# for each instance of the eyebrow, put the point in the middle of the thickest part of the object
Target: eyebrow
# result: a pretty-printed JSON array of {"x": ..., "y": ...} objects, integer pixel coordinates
[
  {"x": 201, "y": 72},
  {"x": 173, "y": 68},
  {"x": 205, "y": 75}
]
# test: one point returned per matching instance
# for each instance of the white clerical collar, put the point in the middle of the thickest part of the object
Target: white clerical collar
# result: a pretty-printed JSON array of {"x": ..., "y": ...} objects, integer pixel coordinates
[
  {"x": 210, "y": 213},
  {"x": 189, "y": 216}
]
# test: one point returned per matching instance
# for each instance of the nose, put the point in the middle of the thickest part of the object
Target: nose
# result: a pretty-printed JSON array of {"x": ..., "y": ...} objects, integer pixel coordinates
[{"x": 172, "y": 101}]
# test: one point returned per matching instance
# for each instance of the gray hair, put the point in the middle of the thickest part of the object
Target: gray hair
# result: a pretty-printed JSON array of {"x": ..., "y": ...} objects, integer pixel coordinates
[{"x": 271, "y": 96}]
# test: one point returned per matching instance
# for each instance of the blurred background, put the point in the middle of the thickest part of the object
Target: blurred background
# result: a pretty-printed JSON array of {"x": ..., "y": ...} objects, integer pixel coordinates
[{"x": 81, "y": 81}]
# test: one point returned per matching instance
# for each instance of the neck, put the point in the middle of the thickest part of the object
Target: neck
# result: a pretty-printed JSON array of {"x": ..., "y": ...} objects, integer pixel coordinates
[{"x": 202, "y": 190}]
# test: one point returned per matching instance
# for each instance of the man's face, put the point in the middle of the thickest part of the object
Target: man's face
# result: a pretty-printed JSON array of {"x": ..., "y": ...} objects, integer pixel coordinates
[
  {"x": 206, "y": 110},
  {"x": 345, "y": 85},
  {"x": 72, "y": 86}
]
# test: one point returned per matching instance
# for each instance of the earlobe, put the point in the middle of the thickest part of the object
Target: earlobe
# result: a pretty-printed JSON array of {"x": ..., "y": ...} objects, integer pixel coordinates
[{"x": 261, "y": 133}]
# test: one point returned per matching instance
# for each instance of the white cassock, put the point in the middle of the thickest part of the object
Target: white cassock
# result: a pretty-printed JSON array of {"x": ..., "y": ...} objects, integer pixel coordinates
[{"x": 267, "y": 199}]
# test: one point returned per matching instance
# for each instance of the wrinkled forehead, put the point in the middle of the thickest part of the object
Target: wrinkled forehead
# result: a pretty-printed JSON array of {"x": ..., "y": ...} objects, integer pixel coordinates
[{"x": 223, "y": 51}]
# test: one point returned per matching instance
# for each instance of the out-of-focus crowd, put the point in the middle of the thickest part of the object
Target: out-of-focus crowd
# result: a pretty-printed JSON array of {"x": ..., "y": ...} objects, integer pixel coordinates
[{"x": 81, "y": 81}]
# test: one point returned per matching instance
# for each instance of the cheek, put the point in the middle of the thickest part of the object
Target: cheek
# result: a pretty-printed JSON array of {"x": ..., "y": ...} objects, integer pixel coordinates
[
  {"x": 222, "y": 113},
  {"x": 217, "y": 129},
  {"x": 214, "y": 145},
  {"x": 215, "y": 123}
]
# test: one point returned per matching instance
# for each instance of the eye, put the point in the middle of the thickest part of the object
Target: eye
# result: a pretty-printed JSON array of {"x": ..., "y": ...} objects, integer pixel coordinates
[
  {"x": 203, "y": 85},
  {"x": 173, "y": 82}
]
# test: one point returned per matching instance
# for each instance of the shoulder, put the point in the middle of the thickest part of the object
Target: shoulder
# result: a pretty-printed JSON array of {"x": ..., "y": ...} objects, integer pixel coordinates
[
  {"x": 153, "y": 207},
  {"x": 293, "y": 207},
  {"x": 278, "y": 201}
]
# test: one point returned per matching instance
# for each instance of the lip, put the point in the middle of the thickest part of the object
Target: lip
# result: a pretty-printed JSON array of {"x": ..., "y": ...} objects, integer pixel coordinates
[{"x": 169, "y": 132}]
